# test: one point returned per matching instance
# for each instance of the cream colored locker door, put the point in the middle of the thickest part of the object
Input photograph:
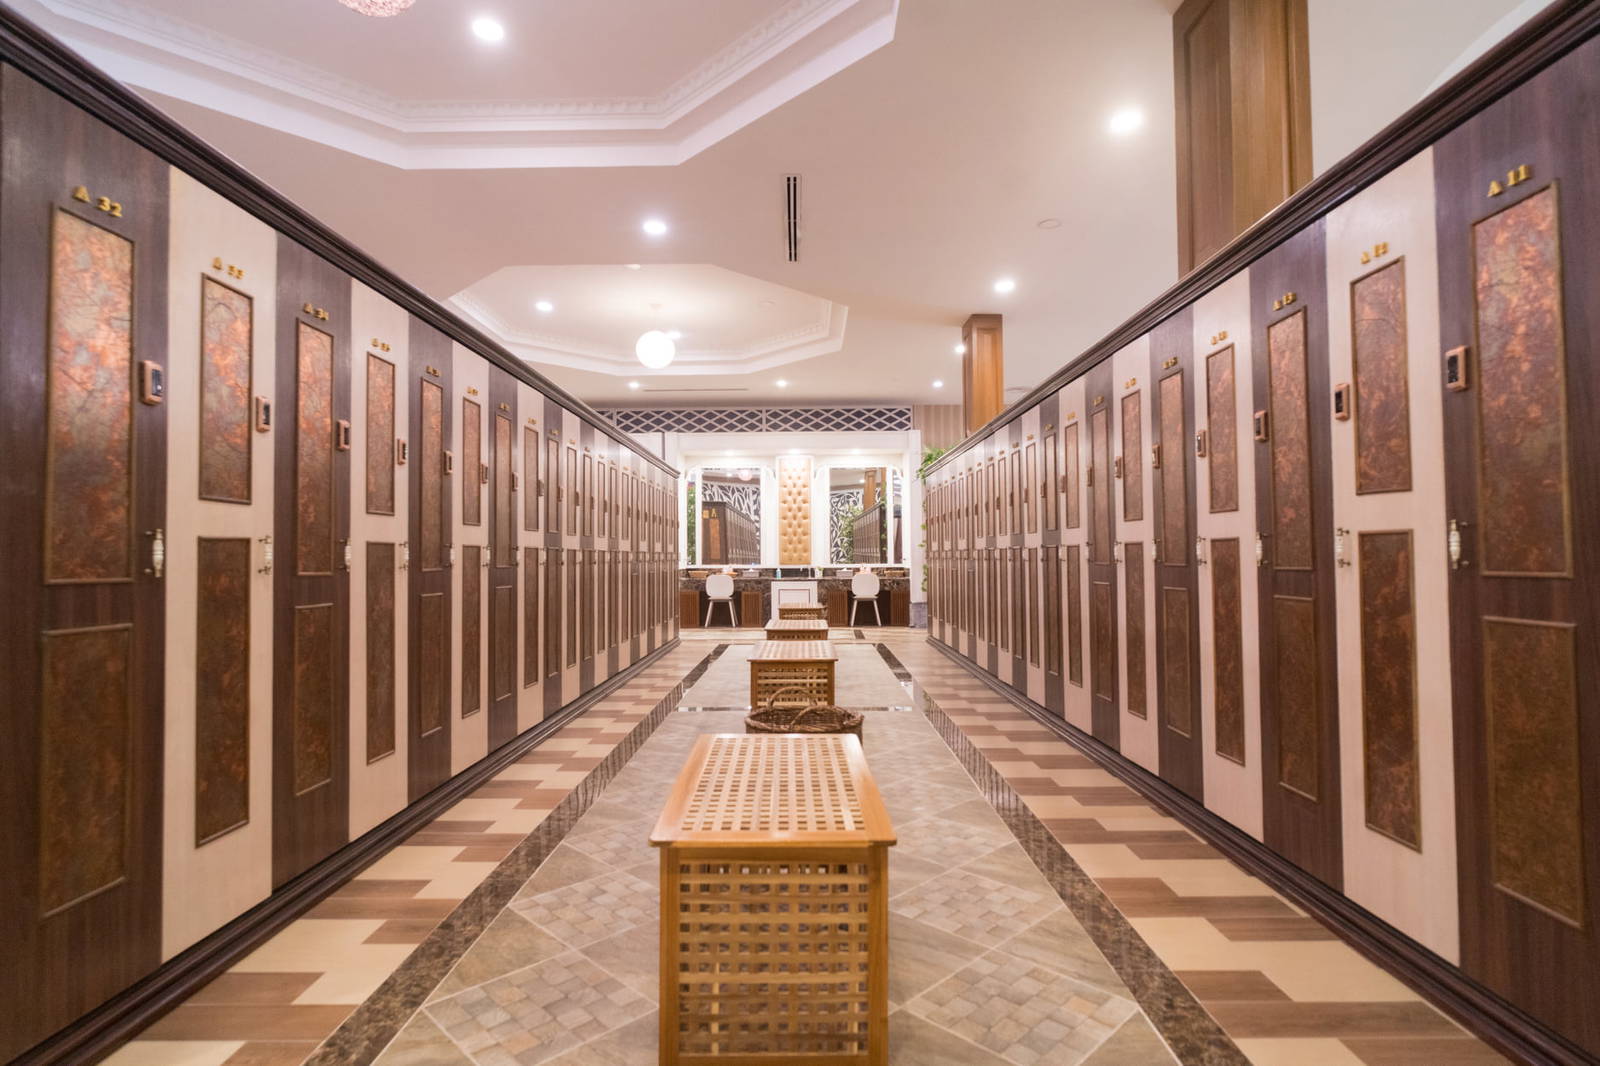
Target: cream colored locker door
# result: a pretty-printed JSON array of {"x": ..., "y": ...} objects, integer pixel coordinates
[
  {"x": 1225, "y": 530},
  {"x": 217, "y": 819},
  {"x": 379, "y": 517},
  {"x": 1075, "y": 552},
  {"x": 531, "y": 455},
  {"x": 1395, "y": 733},
  {"x": 1032, "y": 643},
  {"x": 469, "y": 735},
  {"x": 571, "y": 541},
  {"x": 1134, "y": 505}
]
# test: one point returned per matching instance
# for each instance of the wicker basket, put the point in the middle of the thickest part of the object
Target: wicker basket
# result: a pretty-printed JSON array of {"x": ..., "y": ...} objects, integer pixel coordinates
[{"x": 808, "y": 718}]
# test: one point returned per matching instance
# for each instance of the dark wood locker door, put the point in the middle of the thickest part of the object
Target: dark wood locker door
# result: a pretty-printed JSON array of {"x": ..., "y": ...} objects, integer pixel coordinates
[
  {"x": 554, "y": 584},
  {"x": 428, "y": 636},
  {"x": 1050, "y": 556},
  {"x": 83, "y": 280},
  {"x": 311, "y": 579},
  {"x": 1294, "y": 517},
  {"x": 1177, "y": 635},
  {"x": 1105, "y": 723},
  {"x": 1518, "y": 193},
  {"x": 501, "y": 574}
]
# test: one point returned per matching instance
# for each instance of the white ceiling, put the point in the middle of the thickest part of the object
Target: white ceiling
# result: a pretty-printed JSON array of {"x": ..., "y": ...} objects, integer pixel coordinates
[{"x": 931, "y": 139}]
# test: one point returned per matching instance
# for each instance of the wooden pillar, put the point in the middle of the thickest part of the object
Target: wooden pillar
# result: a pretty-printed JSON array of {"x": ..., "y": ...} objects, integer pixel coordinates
[{"x": 983, "y": 379}]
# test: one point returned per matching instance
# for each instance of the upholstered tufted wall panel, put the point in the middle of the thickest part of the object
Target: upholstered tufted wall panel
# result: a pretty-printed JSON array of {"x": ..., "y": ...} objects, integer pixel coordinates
[{"x": 794, "y": 510}]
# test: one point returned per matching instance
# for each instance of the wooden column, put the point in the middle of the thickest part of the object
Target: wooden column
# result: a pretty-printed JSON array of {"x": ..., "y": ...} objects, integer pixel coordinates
[{"x": 983, "y": 379}]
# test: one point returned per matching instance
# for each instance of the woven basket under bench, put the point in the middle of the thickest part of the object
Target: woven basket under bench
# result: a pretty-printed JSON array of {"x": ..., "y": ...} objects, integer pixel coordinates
[{"x": 806, "y": 665}]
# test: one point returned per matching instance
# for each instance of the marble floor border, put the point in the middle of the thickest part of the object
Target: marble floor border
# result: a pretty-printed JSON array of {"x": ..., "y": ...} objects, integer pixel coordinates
[
  {"x": 370, "y": 1028},
  {"x": 1188, "y": 1028}
]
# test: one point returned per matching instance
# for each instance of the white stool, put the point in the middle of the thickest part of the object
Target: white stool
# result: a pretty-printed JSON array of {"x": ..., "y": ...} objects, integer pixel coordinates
[
  {"x": 863, "y": 589},
  {"x": 719, "y": 589}
]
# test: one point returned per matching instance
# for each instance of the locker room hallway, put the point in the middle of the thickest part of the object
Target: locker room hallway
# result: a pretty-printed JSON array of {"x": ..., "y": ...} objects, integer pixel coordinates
[
  {"x": 1021, "y": 864},
  {"x": 799, "y": 533}
]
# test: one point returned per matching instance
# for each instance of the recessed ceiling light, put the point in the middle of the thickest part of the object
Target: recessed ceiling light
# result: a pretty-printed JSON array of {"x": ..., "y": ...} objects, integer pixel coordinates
[
  {"x": 855, "y": 451},
  {"x": 728, "y": 452},
  {"x": 633, "y": 266},
  {"x": 633, "y": 384},
  {"x": 1049, "y": 223},
  {"x": 938, "y": 384},
  {"x": 1125, "y": 121},
  {"x": 544, "y": 307},
  {"x": 654, "y": 227},
  {"x": 961, "y": 349},
  {"x": 1005, "y": 285},
  {"x": 488, "y": 29},
  {"x": 783, "y": 383}
]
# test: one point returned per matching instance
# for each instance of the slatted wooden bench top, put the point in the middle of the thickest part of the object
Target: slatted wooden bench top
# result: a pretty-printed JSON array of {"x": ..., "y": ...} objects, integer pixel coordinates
[
  {"x": 819, "y": 625},
  {"x": 740, "y": 789},
  {"x": 793, "y": 651}
]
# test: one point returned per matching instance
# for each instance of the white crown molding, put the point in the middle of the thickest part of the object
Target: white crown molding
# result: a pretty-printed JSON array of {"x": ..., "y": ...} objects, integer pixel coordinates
[
  {"x": 725, "y": 92},
  {"x": 821, "y": 337}
]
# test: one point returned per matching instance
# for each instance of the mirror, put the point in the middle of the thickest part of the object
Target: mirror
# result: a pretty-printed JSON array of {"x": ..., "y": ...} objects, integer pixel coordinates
[
  {"x": 729, "y": 505},
  {"x": 864, "y": 506}
]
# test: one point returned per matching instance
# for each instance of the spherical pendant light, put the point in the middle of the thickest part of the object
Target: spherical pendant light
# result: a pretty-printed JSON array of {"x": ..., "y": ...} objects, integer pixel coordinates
[
  {"x": 655, "y": 349},
  {"x": 377, "y": 8}
]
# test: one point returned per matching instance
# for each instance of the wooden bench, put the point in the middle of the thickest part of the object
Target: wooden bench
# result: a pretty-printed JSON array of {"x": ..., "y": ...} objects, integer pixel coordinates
[
  {"x": 797, "y": 629},
  {"x": 787, "y": 611},
  {"x": 774, "y": 904},
  {"x": 777, "y": 664}
]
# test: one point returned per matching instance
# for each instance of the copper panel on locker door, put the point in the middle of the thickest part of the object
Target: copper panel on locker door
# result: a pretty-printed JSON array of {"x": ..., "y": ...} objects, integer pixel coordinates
[
  {"x": 471, "y": 629},
  {"x": 503, "y": 514},
  {"x": 1100, "y": 486},
  {"x": 1382, "y": 392},
  {"x": 503, "y": 646},
  {"x": 1535, "y": 799},
  {"x": 1138, "y": 686},
  {"x": 471, "y": 463},
  {"x": 226, "y": 367},
  {"x": 221, "y": 686},
  {"x": 1174, "y": 473},
  {"x": 1522, "y": 398},
  {"x": 552, "y": 485},
  {"x": 1175, "y": 673},
  {"x": 1389, "y": 686},
  {"x": 1070, "y": 477},
  {"x": 1030, "y": 478},
  {"x": 313, "y": 450},
  {"x": 380, "y": 650},
  {"x": 89, "y": 465},
  {"x": 1101, "y": 644},
  {"x": 1222, "y": 431},
  {"x": 1052, "y": 611},
  {"x": 1296, "y": 702},
  {"x": 1074, "y": 565},
  {"x": 530, "y": 616},
  {"x": 433, "y": 494},
  {"x": 532, "y": 487},
  {"x": 380, "y": 435},
  {"x": 1290, "y": 431},
  {"x": 1132, "y": 461},
  {"x": 553, "y": 584},
  {"x": 85, "y": 742},
  {"x": 434, "y": 670},
  {"x": 573, "y": 565},
  {"x": 312, "y": 747},
  {"x": 1227, "y": 628},
  {"x": 1031, "y": 586}
]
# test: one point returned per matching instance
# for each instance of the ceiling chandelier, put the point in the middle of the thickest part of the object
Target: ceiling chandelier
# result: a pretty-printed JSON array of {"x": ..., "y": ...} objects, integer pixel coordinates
[
  {"x": 377, "y": 8},
  {"x": 655, "y": 349}
]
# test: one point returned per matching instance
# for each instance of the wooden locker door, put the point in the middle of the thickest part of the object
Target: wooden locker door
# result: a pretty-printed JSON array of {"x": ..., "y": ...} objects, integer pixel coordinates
[
  {"x": 1294, "y": 502},
  {"x": 1519, "y": 322},
  {"x": 311, "y": 578},
  {"x": 1050, "y": 557},
  {"x": 432, "y": 513},
  {"x": 501, "y": 575},
  {"x": 81, "y": 645},
  {"x": 1102, "y": 564},
  {"x": 1177, "y": 619},
  {"x": 551, "y": 557}
]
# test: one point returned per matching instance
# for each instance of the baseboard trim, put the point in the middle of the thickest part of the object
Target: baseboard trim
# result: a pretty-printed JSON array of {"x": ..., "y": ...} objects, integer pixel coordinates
[
  {"x": 1479, "y": 1009},
  {"x": 102, "y": 1030}
]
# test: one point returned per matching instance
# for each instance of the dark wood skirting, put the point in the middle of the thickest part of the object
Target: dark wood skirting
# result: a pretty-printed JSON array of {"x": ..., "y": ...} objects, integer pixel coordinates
[
  {"x": 57, "y": 67},
  {"x": 1545, "y": 38},
  {"x": 99, "y": 1032},
  {"x": 1481, "y": 1011}
]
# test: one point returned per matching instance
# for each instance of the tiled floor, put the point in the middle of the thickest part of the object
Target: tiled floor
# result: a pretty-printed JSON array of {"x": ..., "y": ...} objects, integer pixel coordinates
[{"x": 988, "y": 966}]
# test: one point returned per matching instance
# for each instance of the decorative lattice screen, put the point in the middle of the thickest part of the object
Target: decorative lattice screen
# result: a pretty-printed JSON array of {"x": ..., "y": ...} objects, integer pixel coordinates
[{"x": 758, "y": 419}]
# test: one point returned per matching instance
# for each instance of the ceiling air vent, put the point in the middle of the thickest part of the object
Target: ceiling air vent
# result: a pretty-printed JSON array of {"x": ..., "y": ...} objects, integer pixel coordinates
[{"x": 791, "y": 215}]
